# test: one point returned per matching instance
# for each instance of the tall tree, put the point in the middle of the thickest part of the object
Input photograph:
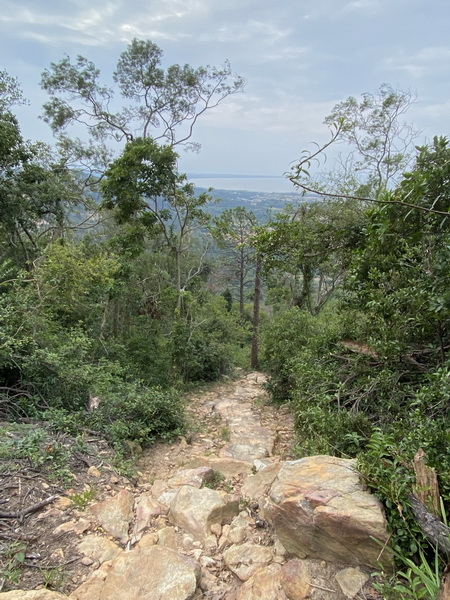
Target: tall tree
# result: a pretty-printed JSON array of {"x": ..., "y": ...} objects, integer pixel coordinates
[
  {"x": 306, "y": 251},
  {"x": 35, "y": 194},
  {"x": 144, "y": 186},
  {"x": 379, "y": 146},
  {"x": 163, "y": 104},
  {"x": 233, "y": 230}
]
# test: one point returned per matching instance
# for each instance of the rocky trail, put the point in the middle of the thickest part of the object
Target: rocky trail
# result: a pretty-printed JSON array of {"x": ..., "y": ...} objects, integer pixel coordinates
[{"x": 223, "y": 514}]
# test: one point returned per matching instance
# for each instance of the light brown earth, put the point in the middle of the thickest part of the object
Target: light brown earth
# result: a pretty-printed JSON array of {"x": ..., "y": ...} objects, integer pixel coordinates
[{"x": 49, "y": 537}]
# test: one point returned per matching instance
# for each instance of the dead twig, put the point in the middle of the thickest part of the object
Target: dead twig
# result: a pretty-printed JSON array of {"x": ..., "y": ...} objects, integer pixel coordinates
[{"x": 26, "y": 511}]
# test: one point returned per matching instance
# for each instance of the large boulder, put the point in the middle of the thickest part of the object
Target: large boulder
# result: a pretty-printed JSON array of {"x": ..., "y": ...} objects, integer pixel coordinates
[{"x": 319, "y": 509}]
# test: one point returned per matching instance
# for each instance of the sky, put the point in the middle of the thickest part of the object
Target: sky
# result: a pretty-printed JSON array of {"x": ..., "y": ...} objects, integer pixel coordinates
[{"x": 299, "y": 59}]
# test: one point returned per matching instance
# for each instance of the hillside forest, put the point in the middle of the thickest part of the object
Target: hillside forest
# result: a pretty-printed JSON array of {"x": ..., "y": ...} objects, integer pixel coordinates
[{"x": 119, "y": 290}]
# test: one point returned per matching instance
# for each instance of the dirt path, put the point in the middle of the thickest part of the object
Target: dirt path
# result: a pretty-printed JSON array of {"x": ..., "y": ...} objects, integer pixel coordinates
[
  {"x": 204, "y": 543},
  {"x": 231, "y": 419}
]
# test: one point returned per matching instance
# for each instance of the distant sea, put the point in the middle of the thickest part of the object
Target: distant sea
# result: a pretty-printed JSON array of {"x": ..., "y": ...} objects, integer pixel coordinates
[{"x": 249, "y": 183}]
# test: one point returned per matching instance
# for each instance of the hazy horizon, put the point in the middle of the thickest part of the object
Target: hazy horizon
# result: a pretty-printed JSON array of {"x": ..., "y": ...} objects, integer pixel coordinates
[{"x": 267, "y": 184}]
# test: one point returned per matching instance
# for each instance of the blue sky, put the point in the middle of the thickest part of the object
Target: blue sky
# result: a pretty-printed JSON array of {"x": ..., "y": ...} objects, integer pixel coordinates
[{"x": 299, "y": 58}]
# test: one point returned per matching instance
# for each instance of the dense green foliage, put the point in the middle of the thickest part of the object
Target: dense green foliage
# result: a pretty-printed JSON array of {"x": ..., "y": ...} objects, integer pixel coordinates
[
  {"x": 122, "y": 303},
  {"x": 369, "y": 376},
  {"x": 109, "y": 304}
]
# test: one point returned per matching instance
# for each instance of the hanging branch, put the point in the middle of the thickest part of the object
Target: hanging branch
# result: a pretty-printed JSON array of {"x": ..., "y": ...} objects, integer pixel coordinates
[{"x": 301, "y": 170}]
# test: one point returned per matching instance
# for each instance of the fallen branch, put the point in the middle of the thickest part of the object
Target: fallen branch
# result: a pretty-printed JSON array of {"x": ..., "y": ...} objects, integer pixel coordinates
[
  {"x": 26, "y": 511},
  {"x": 433, "y": 529}
]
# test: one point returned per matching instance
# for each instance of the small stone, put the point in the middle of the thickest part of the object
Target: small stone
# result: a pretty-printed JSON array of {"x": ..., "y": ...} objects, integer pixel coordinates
[
  {"x": 86, "y": 561},
  {"x": 223, "y": 541},
  {"x": 351, "y": 581},
  {"x": 188, "y": 542},
  {"x": 260, "y": 464},
  {"x": 207, "y": 561},
  {"x": 51, "y": 513},
  {"x": 67, "y": 527},
  {"x": 197, "y": 554},
  {"x": 237, "y": 535},
  {"x": 266, "y": 584},
  {"x": 207, "y": 581},
  {"x": 210, "y": 544},
  {"x": 57, "y": 556},
  {"x": 93, "y": 471},
  {"x": 63, "y": 503},
  {"x": 216, "y": 529},
  {"x": 114, "y": 479},
  {"x": 160, "y": 523}
]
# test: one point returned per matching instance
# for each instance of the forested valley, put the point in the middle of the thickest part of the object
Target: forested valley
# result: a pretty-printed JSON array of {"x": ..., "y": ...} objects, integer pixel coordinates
[{"x": 118, "y": 291}]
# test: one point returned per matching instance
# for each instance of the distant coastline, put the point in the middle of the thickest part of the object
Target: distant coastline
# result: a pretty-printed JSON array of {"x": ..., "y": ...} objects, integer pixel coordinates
[
  {"x": 251, "y": 183},
  {"x": 228, "y": 175}
]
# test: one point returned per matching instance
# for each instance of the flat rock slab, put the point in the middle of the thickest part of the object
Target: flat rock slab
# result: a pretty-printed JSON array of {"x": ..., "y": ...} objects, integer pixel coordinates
[
  {"x": 150, "y": 573},
  {"x": 319, "y": 509},
  {"x": 248, "y": 439},
  {"x": 228, "y": 467},
  {"x": 99, "y": 548},
  {"x": 116, "y": 514},
  {"x": 245, "y": 559},
  {"x": 32, "y": 595},
  {"x": 264, "y": 584}
]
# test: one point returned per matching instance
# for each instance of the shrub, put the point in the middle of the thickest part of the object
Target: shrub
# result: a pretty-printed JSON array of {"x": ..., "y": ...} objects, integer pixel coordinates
[{"x": 139, "y": 414}]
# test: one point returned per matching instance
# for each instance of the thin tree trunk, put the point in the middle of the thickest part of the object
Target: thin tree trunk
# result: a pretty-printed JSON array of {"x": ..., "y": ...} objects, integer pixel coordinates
[
  {"x": 256, "y": 307},
  {"x": 178, "y": 275},
  {"x": 115, "y": 317},
  {"x": 241, "y": 283}
]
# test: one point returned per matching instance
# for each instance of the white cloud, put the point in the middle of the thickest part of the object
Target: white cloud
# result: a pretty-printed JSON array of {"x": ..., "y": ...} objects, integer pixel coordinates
[
  {"x": 108, "y": 22},
  {"x": 286, "y": 113},
  {"x": 285, "y": 53},
  {"x": 265, "y": 32},
  {"x": 361, "y": 5},
  {"x": 425, "y": 61}
]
